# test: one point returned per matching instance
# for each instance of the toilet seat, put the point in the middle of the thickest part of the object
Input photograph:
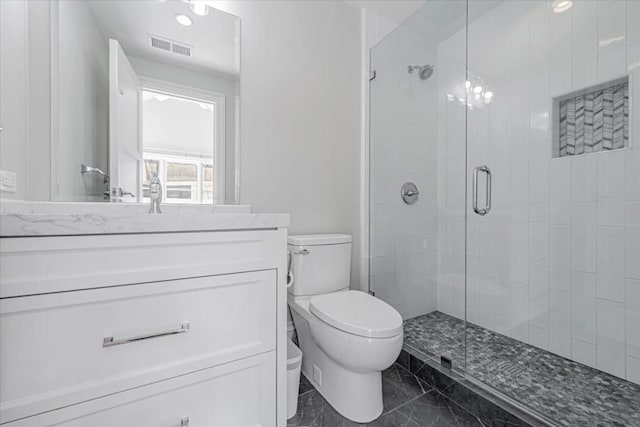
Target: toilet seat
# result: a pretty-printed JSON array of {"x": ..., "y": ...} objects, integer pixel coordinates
[{"x": 357, "y": 313}]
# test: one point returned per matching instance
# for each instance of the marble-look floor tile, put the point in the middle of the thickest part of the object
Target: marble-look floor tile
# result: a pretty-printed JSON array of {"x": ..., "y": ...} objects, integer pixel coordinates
[
  {"x": 310, "y": 413},
  {"x": 394, "y": 419},
  {"x": 433, "y": 409},
  {"x": 402, "y": 392},
  {"x": 305, "y": 385},
  {"x": 399, "y": 386}
]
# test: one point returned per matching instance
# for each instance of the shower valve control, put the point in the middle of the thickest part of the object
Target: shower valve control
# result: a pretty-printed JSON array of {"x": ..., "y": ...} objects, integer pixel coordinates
[{"x": 409, "y": 193}]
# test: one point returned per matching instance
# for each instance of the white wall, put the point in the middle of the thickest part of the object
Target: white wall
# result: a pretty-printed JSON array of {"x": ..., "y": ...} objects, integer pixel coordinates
[
  {"x": 13, "y": 87},
  {"x": 556, "y": 262},
  {"x": 24, "y": 97},
  {"x": 300, "y": 110},
  {"x": 82, "y": 101}
]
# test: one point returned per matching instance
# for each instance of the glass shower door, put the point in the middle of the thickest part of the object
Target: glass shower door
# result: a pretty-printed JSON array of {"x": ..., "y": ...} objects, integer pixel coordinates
[
  {"x": 552, "y": 191},
  {"x": 416, "y": 185}
]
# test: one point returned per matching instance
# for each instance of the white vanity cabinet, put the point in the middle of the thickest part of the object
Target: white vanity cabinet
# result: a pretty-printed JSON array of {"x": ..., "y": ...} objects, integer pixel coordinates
[{"x": 151, "y": 329}]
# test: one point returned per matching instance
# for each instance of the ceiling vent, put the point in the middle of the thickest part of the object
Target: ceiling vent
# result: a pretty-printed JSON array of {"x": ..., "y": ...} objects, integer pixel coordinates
[
  {"x": 171, "y": 46},
  {"x": 159, "y": 43},
  {"x": 181, "y": 49}
]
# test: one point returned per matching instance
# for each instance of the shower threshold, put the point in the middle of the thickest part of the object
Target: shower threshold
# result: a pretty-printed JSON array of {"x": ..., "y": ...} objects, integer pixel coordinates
[{"x": 509, "y": 382}]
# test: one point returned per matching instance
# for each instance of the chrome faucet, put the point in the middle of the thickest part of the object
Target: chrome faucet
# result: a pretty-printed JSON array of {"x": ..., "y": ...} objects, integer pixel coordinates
[{"x": 155, "y": 194}]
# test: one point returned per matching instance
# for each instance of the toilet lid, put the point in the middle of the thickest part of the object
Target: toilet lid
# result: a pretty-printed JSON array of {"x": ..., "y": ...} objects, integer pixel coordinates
[{"x": 357, "y": 313}]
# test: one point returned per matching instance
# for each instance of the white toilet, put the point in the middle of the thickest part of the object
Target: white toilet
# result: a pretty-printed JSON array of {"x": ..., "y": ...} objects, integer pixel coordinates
[{"x": 347, "y": 337}]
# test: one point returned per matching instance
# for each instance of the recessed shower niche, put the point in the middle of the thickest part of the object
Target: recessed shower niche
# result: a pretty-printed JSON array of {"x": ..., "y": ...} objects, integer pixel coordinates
[{"x": 592, "y": 120}]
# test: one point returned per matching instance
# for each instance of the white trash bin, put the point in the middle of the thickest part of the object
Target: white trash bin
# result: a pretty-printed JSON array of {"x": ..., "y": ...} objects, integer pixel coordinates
[{"x": 294, "y": 364}]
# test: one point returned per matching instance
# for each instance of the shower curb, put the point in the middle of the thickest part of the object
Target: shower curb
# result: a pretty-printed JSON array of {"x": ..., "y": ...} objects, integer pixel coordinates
[{"x": 492, "y": 410}]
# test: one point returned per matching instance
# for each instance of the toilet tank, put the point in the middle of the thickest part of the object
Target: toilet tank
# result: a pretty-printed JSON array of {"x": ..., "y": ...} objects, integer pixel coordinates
[{"x": 321, "y": 263}]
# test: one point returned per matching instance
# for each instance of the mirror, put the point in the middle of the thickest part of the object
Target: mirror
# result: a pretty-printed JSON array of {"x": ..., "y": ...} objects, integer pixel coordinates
[{"x": 136, "y": 88}]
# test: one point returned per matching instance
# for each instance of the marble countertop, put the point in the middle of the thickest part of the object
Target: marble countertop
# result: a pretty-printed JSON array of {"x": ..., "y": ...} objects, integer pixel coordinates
[{"x": 24, "y": 218}]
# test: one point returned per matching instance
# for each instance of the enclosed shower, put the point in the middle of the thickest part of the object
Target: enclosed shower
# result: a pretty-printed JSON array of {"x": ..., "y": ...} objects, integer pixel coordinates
[{"x": 515, "y": 258}]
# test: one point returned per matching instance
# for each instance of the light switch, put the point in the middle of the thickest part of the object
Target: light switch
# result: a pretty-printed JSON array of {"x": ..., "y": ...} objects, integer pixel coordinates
[{"x": 8, "y": 181}]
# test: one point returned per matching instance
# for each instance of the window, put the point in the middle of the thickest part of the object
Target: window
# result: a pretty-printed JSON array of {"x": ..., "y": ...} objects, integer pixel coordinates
[
  {"x": 207, "y": 184},
  {"x": 184, "y": 179},
  {"x": 183, "y": 143}
]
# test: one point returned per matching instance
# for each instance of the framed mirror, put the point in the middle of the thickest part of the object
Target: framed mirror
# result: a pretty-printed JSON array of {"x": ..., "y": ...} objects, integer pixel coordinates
[{"x": 135, "y": 88}]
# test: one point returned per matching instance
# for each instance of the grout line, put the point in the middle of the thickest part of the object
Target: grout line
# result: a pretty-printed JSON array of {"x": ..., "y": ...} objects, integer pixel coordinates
[{"x": 584, "y": 342}]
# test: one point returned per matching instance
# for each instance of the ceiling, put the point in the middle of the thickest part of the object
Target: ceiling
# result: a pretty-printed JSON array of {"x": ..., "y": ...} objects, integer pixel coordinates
[
  {"x": 394, "y": 10},
  {"x": 435, "y": 19},
  {"x": 215, "y": 37}
]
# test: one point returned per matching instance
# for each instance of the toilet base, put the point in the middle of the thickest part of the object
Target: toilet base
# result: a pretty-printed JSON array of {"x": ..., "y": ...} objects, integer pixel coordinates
[{"x": 356, "y": 396}]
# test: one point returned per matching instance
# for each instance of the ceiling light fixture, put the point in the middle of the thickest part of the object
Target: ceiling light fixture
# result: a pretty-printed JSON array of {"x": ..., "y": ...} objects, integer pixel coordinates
[
  {"x": 477, "y": 89},
  {"x": 560, "y": 6},
  {"x": 184, "y": 20}
]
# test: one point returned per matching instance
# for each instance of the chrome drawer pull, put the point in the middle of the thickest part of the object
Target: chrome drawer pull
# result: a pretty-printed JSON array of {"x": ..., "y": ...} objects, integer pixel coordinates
[{"x": 110, "y": 341}]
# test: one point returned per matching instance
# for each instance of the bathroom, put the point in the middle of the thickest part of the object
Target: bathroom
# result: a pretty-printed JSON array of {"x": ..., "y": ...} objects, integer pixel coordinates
[{"x": 319, "y": 213}]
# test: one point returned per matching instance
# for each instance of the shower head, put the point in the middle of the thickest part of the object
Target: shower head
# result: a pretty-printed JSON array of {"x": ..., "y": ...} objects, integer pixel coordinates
[{"x": 424, "y": 71}]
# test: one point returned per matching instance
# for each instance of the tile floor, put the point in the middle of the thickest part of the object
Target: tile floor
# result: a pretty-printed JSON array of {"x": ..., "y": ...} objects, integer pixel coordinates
[
  {"x": 567, "y": 392},
  {"x": 408, "y": 402}
]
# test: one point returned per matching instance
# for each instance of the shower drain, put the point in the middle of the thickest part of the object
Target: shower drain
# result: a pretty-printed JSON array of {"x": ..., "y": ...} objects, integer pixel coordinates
[{"x": 510, "y": 369}]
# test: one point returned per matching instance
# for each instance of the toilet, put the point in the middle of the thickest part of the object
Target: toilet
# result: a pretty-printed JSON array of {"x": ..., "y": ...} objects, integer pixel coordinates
[{"x": 347, "y": 337}]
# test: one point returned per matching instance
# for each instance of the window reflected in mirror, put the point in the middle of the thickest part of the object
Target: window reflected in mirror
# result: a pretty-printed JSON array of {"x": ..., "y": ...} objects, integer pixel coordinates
[{"x": 179, "y": 145}]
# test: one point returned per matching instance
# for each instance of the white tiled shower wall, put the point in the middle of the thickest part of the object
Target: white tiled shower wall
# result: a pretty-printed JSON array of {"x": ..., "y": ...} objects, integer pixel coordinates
[{"x": 557, "y": 262}]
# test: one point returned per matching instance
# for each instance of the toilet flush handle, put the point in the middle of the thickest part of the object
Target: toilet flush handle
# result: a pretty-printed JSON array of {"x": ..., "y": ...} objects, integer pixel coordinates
[{"x": 290, "y": 272}]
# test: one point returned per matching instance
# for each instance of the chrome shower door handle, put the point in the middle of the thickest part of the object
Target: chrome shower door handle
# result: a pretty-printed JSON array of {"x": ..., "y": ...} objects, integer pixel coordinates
[
  {"x": 489, "y": 190},
  {"x": 474, "y": 187},
  {"x": 487, "y": 207}
]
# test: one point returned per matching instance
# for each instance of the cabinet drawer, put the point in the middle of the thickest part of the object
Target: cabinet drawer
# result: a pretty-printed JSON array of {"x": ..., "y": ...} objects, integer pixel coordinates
[
  {"x": 237, "y": 394},
  {"x": 53, "y": 354},
  {"x": 37, "y": 265}
]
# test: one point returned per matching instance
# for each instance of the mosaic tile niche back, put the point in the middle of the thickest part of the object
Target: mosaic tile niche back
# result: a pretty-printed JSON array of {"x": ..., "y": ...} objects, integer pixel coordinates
[{"x": 594, "y": 120}]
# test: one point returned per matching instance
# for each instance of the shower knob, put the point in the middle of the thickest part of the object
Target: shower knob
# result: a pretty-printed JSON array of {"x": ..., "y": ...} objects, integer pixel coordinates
[{"x": 409, "y": 193}]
